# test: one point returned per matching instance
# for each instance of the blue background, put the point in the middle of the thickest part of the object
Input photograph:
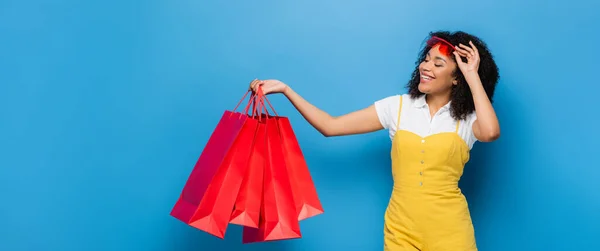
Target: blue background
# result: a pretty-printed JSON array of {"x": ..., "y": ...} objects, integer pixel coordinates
[{"x": 106, "y": 105}]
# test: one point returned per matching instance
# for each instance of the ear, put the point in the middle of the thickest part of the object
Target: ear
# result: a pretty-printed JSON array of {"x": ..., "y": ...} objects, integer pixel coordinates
[{"x": 455, "y": 81}]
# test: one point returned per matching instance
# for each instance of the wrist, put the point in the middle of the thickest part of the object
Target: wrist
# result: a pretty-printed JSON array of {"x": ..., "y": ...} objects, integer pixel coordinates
[
  {"x": 472, "y": 78},
  {"x": 287, "y": 91},
  {"x": 471, "y": 75}
]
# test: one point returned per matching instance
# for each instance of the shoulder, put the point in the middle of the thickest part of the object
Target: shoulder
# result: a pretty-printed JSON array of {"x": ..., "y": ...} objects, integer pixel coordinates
[
  {"x": 388, "y": 100},
  {"x": 387, "y": 109}
]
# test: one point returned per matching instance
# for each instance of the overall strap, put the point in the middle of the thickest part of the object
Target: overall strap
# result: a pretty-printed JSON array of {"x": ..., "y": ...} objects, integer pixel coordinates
[
  {"x": 457, "y": 125},
  {"x": 399, "y": 112}
]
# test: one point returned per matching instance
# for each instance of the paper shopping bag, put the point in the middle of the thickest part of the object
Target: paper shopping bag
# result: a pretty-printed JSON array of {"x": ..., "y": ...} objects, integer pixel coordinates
[
  {"x": 303, "y": 188},
  {"x": 210, "y": 160},
  {"x": 214, "y": 212},
  {"x": 279, "y": 218},
  {"x": 247, "y": 206}
]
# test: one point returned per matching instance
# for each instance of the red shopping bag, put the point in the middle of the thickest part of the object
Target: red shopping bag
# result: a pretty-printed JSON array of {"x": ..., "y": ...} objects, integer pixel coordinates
[
  {"x": 278, "y": 219},
  {"x": 214, "y": 211},
  {"x": 303, "y": 188},
  {"x": 212, "y": 157},
  {"x": 247, "y": 206}
]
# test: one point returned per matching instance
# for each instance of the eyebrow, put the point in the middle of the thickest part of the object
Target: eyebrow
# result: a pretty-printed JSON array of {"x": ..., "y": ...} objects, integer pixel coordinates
[
  {"x": 440, "y": 58},
  {"x": 437, "y": 57}
]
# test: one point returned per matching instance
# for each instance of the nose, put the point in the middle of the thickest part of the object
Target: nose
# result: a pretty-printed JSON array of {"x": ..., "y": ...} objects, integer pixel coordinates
[{"x": 426, "y": 66}]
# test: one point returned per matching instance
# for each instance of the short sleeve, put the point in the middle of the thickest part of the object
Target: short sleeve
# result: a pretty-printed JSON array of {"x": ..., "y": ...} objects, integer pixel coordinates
[
  {"x": 387, "y": 111},
  {"x": 468, "y": 133}
]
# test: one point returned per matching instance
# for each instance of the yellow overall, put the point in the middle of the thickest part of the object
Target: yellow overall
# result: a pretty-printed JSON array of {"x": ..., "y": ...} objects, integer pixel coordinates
[{"x": 427, "y": 210}]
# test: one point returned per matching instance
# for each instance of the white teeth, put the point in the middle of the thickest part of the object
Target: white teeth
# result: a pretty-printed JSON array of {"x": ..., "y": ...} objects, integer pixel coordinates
[{"x": 426, "y": 78}]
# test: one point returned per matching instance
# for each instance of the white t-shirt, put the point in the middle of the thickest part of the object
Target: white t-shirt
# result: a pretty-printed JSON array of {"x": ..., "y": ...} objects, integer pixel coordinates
[{"x": 415, "y": 117}]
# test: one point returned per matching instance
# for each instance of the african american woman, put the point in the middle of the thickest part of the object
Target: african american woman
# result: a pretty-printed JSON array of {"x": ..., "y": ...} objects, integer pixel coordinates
[{"x": 433, "y": 127}]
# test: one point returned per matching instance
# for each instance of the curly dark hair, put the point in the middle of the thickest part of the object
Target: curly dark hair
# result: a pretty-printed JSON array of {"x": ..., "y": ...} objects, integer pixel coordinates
[{"x": 461, "y": 97}]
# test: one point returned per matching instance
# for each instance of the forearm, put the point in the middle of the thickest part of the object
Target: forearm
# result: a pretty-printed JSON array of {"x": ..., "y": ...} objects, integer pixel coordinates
[
  {"x": 318, "y": 118},
  {"x": 487, "y": 121}
]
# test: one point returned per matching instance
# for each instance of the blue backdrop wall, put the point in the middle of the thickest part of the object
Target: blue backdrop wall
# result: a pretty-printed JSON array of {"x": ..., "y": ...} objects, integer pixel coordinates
[{"x": 106, "y": 105}]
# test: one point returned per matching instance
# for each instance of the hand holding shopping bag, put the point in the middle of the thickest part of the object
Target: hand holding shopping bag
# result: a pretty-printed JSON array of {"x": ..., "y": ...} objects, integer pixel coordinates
[{"x": 251, "y": 173}]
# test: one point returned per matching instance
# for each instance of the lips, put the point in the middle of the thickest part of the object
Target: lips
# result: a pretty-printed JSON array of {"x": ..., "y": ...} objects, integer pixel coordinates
[{"x": 426, "y": 78}]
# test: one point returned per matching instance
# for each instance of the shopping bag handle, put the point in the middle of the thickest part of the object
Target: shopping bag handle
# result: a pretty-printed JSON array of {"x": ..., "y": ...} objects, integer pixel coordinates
[
  {"x": 244, "y": 97},
  {"x": 251, "y": 103},
  {"x": 257, "y": 106},
  {"x": 257, "y": 102},
  {"x": 264, "y": 98}
]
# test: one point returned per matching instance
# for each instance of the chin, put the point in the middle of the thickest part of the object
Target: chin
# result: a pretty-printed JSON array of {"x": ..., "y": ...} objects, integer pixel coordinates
[{"x": 423, "y": 88}]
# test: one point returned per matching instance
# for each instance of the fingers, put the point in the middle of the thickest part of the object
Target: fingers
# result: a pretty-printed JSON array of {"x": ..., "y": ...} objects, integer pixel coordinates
[
  {"x": 474, "y": 49},
  {"x": 467, "y": 48},
  {"x": 461, "y": 53},
  {"x": 254, "y": 84},
  {"x": 468, "y": 51},
  {"x": 464, "y": 52}
]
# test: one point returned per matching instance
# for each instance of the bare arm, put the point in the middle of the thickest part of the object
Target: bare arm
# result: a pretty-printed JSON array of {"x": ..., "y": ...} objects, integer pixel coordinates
[
  {"x": 486, "y": 128},
  {"x": 357, "y": 122}
]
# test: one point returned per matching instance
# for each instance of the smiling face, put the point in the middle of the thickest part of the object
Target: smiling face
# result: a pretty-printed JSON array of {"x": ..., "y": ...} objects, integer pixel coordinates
[{"x": 437, "y": 71}]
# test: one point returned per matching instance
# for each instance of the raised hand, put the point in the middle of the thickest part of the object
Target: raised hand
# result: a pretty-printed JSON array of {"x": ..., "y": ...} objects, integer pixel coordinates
[{"x": 472, "y": 55}]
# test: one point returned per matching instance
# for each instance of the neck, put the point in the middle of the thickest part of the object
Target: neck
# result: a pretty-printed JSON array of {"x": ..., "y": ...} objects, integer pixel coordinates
[{"x": 436, "y": 101}]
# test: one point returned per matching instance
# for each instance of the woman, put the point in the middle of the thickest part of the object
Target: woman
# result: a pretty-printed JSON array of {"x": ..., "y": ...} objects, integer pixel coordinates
[{"x": 433, "y": 127}]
